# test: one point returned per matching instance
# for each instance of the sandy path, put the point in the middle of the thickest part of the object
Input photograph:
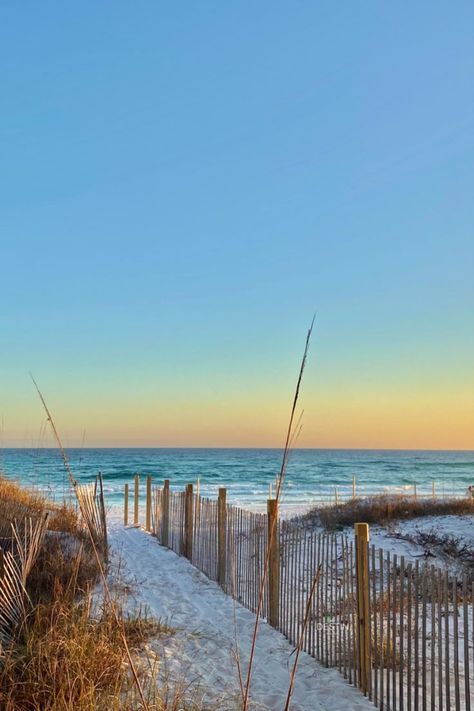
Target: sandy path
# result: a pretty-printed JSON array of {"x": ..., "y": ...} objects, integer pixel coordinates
[{"x": 203, "y": 649}]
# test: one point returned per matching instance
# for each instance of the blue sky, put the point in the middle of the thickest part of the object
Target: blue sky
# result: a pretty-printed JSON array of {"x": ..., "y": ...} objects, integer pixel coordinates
[{"x": 183, "y": 184}]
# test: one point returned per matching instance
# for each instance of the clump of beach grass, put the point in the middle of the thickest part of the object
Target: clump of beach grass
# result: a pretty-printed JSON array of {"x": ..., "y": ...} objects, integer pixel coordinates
[
  {"x": 18, "y": 503},
  {"x": 140, "y": 627},
  {"x": 68, "y": 658},
  {"x": 62, "y": 659}
]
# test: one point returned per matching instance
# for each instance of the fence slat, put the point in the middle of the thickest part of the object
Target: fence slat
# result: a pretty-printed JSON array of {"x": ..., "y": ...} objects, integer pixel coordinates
[
  {"x": 401, "y": 657},
  {"x": 456, "y": 645},
  {"x": 465, "y": 612},
  {"x": 446, "y": 641}
]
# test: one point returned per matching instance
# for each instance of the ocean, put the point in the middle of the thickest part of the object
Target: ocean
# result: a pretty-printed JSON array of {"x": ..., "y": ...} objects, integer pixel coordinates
[{"x": 312, "y": 474}]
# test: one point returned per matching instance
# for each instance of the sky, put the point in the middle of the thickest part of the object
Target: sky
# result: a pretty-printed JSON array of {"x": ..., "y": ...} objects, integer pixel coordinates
[{"x": 184, "y": 184}]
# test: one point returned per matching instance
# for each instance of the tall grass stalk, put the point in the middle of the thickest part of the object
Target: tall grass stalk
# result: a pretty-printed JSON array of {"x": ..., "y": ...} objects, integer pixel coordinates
[
  {"x": 290, "y": 434},
  {"x": 299, "y": 646}
]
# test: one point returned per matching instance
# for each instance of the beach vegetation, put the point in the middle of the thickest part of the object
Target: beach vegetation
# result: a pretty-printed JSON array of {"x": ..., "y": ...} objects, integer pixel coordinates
[
  {"x": 66, "y": 652},
  {"x": 383, "y": 509}
]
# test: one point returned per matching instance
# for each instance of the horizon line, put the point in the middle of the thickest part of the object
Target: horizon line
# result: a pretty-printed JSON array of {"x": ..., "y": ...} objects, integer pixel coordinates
[{"x": 224, "y": 448}]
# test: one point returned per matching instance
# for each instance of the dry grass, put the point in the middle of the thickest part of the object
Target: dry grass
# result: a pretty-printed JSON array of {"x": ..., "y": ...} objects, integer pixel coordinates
[
  {"x": 15, "y": 504},
  {"x": 384, "y": 508},
  {"x": 65, "y": 563},
  {"x": 66, "y": 656},
  {"x": 139, "y": 628},
  {"x": 67, "y": 659},
  {"x": 63, "y": 660},
  {"x": 55, "y": 649},
  {"x": 58, "y": 560},
  {"x": 18, "y": 503}
]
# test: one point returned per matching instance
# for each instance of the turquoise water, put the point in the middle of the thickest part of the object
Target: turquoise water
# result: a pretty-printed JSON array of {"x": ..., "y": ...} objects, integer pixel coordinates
[{"x": 246, "y": 473}]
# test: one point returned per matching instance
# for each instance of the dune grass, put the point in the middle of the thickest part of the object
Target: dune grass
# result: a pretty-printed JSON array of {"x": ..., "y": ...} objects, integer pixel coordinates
[
  {"x": 18, "y": 503},
  {"x": 68, "y": 653},
  {"x": 384, "y": 508}
]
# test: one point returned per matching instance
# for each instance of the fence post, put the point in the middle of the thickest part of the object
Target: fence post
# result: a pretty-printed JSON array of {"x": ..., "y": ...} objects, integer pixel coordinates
[
  {"x": 353, "y": 487},
  {"x": 273, "y": 564},
  {"x": 188, "y": 522},
  {"x": 363, "y": 615},
  {"x": 221, "y": 536},
  {"x": 433, "y": 490},
  {"x": 137, "y": 494},
  {"x": 125, "y": 506},
  {"x": 165, "y": 515},
  {"x": 148, "y": 504}
]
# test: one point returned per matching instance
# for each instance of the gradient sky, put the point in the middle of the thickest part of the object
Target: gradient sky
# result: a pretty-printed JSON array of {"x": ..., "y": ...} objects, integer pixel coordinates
[{"x": 183, "y": 184}]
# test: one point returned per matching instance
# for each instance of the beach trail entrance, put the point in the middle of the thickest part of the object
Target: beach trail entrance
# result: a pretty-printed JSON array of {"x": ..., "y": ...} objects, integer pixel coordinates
[{"x": 399, "y": 631}]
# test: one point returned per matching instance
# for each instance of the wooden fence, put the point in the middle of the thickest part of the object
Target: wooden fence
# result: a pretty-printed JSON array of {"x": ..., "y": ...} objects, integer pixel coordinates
[
  {"x": 399, "y": 630},
  {"x": 18, "y": 554},
  {"x": 91, "y": 501}
]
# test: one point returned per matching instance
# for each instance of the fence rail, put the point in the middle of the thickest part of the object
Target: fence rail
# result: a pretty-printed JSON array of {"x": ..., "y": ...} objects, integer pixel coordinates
[{"x": 399, "y": 630}]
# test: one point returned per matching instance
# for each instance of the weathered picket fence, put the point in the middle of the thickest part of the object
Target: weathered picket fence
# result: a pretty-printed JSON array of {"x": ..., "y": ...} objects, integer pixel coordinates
[
  {"x": 90, "y": 497},
  {"x": 399, "y": 630},
  {"x": 18, "y": 554}
]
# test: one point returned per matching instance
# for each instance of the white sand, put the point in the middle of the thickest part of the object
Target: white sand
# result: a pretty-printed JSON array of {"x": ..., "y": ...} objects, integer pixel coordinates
[{"x": 203, "y": 649}]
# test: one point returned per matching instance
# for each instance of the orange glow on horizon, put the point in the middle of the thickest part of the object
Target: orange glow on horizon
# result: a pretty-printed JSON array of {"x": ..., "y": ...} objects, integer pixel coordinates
[{"x": 367, "y": 420}]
